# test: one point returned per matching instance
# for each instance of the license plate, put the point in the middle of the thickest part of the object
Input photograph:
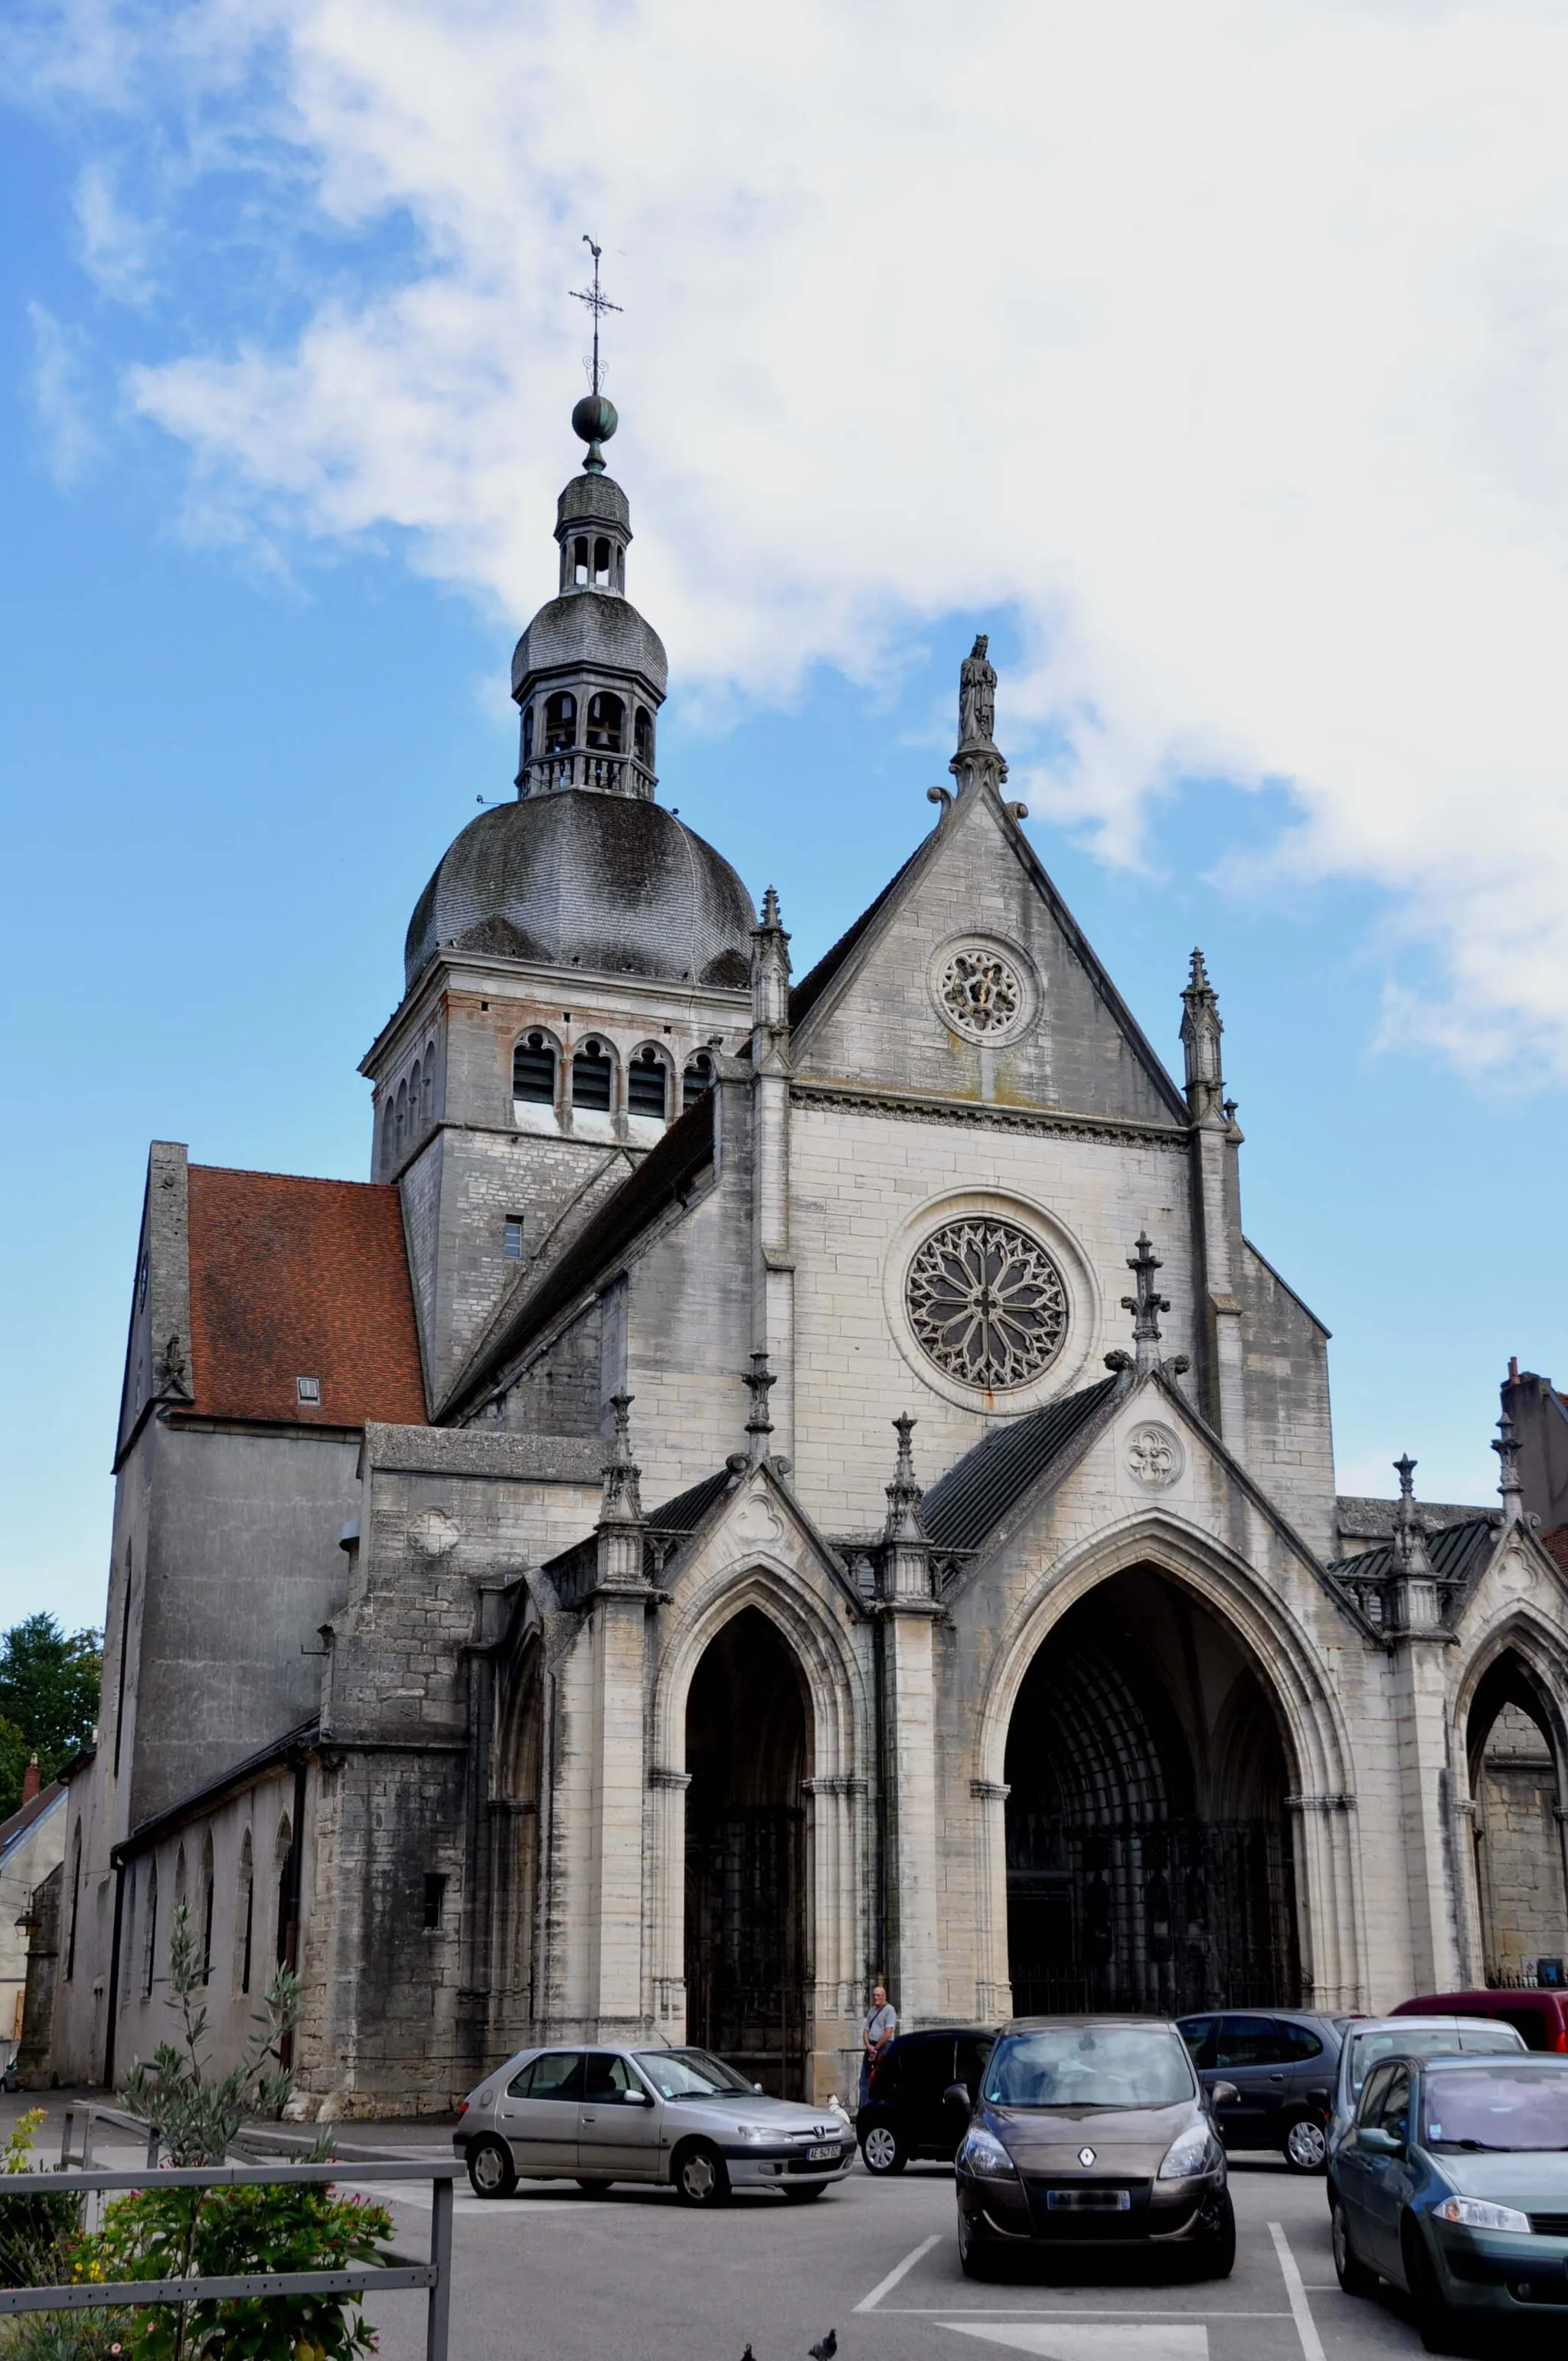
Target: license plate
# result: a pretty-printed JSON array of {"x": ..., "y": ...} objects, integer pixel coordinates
[
  {"x": 823, "y": 2155},
  {"x": 1089, "y": 2201}
]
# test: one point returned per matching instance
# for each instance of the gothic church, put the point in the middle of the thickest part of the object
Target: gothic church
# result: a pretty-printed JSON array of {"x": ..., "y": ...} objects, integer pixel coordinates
[{"x": 769, "y": 1482}]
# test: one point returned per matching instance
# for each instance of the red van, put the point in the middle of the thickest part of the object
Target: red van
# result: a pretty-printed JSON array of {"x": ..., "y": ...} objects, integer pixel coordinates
[{"x": 1539, "y": 2017}]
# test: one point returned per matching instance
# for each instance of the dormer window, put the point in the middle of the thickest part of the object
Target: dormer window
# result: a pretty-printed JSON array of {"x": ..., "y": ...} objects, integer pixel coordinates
[
  {"x": 698, "y": 1078},
  {"x": 593, "y": 1078},
  {"x": 607, "y": 723},
  {"x": 560, "y": 722},
  {"x": 308, "y": 1392}
]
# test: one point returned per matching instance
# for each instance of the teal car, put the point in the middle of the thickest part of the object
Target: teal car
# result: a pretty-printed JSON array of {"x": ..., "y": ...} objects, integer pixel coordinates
[{"x": 1453, "y": 2184}]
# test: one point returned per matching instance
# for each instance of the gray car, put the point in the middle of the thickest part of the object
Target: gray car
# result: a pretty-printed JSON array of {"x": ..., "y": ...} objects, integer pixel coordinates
[
  {"x": 1369, "y": 2039},
  {"x": 676, "y": 2116}
]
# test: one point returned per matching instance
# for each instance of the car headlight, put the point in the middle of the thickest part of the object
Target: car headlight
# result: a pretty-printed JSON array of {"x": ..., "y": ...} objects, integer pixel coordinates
[
  {"x": 1192, "y": 2152},
  {"x": 984, "y": 2153},
  {"x": 1475, "y": 2214},
  {"x": 751, "y": 2131}
]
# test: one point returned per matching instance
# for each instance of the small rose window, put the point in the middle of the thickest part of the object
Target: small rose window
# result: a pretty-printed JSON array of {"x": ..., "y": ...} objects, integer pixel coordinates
[{"x": 987, "y": 1303}]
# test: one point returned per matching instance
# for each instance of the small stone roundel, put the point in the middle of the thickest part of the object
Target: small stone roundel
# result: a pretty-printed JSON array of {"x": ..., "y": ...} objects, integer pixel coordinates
[
  {"x": 986, "y": 1303},
  {"x": 1155, "y": 1456},
  {"x": 980, "y": 992}
]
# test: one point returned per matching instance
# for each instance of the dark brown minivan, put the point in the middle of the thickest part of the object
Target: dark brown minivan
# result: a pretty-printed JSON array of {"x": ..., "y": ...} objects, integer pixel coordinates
[{"x": 1093, "y": 2132}]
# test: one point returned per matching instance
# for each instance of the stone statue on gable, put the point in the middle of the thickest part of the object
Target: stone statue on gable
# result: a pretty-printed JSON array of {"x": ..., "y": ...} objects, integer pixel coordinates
[{"x": 977, "y": 696}]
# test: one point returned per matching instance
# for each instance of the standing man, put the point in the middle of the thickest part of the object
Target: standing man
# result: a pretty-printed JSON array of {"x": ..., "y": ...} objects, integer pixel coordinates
[{"x": 881, "y": 2027}]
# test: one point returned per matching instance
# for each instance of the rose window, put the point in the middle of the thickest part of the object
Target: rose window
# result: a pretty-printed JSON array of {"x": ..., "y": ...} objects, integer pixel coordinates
[
  {"x": 981, "y": 992},
  {"x": 987, "y": 1303}
]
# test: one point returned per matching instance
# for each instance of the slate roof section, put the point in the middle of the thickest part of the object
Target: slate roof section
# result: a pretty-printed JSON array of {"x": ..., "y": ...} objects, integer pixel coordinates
[
  {"x": 665, "y": 1177},
  {"x": 688, "y": 1510},
  {"x": 1455, "y": 1551},
  {"x": 294, "y": 1278},
  {"x": 805, "y": 995},
  {"x": 973, "y": 1497},
  {"x": 1361, "y": 1517},
  {"x": 24, "y": 1819}
]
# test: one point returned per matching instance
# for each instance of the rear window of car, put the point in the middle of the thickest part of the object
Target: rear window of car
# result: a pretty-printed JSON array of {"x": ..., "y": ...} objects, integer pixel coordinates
[{"x": 1478, "y": 2038}]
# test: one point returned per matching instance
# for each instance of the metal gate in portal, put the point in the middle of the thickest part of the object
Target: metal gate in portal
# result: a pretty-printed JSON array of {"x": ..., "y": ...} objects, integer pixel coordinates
[{"x": 745, "y": 1942}]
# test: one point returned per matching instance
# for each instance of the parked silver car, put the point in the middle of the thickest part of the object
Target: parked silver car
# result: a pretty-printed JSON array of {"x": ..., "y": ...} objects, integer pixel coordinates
[
  {"x": 1369, "y": 2039},
  {"x": 679, "y": 2116}
]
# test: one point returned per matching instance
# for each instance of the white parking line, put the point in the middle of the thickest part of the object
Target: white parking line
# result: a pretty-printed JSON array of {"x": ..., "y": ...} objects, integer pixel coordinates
[
  {"x": 886, "y": 2286},
  {"x": 1306, "y": 2326},
  {"x": 1126, "y": 2341}
]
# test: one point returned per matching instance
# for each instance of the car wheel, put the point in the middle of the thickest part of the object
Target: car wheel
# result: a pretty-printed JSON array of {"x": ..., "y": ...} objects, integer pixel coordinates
[
  {"x": 491, "y": 2173},
  {"x": 806, "y": 2196},
  {"x": 1306, "y": 2146},
  {"x": 699, "y": 2175},
  {"x": 1349, "y": 2270},
  {"x": 881, "y": 2150},
  {"x": 1436, "y": 2323},
  {"x": 973, "y": 2261},
  {"x": 1214, "y": 2249}
]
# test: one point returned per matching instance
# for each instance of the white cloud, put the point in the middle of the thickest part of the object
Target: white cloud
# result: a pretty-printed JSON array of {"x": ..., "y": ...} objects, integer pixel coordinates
[
  {"x": 69, "y": 443},
  {"x": 1229, "y": 346}
]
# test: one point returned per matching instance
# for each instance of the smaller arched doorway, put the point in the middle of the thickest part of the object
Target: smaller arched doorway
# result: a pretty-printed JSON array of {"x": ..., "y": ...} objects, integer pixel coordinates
[
  {"x": 1149, "y": 1861},
  {"x": 1517, "y": 1787},
  {"x": 748, "y": 1757}
]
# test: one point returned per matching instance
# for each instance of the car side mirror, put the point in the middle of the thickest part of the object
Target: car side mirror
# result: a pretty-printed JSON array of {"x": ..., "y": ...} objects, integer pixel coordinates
[
  {"x": 638, "y": 2099},
  {"x": 957, "y": 2094},
  {"x": 758, "y": 2088},
  {"x": 1223, "y": 2094},
  {"x": 1375, "y": 2141}
]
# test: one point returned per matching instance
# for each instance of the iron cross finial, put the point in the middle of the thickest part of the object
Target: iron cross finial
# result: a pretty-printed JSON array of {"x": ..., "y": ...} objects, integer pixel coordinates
[{"x": 597, "y": 302}]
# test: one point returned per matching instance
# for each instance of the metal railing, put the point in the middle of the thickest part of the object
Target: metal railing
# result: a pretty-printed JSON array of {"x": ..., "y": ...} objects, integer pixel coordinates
[
  {"x": 91, "y": 2116},
  {"x": 434, "y": 2276}
]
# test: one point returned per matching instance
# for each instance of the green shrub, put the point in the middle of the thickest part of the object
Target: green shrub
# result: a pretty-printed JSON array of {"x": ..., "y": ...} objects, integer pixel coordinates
[{"x": 37, "y": 2234}]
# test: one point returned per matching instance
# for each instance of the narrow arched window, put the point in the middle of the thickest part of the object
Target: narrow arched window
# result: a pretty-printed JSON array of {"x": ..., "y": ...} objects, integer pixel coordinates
[
  {"x": 698, "y": 1078},
  {"x": 601, "y": 564},
  {"x": 528, "y": 733},
  {"x": 607, "y": 723},
  {"x": 533, "y": 1070},
  {"x": 560, "y": 722},
  {"x": 642, "y": 735},
  {"x": 427, "y": 1107},
  {"x": 244, "y": 1915},
  {"x": 207, "y": 1898},
  {"x": 416, "y": 1086},
  {"x": 580, "y": 561},
  {"x": 400, "y": 1123},
  {"x": 283, "y": 1876},
  {"x": 593, "y": 1078},
  {"x": 149, "y": 1933},
  {"x": 647, "y": 1084},
  {"x": 75, "y": 1904}
]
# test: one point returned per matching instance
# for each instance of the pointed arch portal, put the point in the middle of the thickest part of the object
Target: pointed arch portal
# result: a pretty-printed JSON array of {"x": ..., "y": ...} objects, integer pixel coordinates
[
  {"x": 1517, "y": 1786},
  {"x": 748, "y": 1756},
  {"x": 1149, "y": 1861}
]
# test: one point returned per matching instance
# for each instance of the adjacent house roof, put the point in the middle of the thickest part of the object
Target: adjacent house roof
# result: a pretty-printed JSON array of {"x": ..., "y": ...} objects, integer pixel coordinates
[
  {"x": 294, "y": 1278},
  {"x": 973, "y": 1497},
  {"x": 15, "y": 1831},
  {"x": 1363, "y": 1518}
]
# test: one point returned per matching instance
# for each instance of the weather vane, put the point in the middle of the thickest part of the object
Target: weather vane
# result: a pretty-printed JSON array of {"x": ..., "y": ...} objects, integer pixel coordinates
[{"x": 597, "y": 302}]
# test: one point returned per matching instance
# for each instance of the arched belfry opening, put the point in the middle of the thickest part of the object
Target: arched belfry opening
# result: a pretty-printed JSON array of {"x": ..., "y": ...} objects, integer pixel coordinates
[
  {"x": 1149, "y": 1861},
  {"x": 1515, "y": 1784},
  {"x": 748, "y": 1757}
]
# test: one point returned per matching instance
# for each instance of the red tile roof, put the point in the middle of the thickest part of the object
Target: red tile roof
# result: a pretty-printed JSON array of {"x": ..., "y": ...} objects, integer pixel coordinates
[
  {"x": 295, "y": 1279},
  {"x": 1555, "y": 1544}
]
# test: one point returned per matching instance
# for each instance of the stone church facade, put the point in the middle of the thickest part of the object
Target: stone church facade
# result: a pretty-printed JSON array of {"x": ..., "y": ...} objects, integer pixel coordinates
[{"x": 771, "y": 1481}]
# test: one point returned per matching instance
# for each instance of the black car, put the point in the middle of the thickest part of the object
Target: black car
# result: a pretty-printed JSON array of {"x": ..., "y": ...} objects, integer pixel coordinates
[
  {"x": 1282, "y": 2067},
  {"x": 909, "y": 2113}
]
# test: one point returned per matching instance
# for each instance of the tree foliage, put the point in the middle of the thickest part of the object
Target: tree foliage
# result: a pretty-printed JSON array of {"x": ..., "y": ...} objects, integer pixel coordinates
[{"x": 50, "y": 1683}]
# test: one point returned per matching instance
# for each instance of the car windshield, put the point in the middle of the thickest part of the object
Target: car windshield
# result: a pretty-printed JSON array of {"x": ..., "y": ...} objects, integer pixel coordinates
[
  {"x": 689, "y": 2075},
  {"x": 1090, "y": 2066},
  {"x": 1427, "y": 2041},
  {"x": 1515, "y": 2107}
]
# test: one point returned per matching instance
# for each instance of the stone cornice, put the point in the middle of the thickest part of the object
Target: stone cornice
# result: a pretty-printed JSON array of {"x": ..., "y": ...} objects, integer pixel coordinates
[
  {"x": 906, "y": 1107},
  {"x": 481, "y": 974}
]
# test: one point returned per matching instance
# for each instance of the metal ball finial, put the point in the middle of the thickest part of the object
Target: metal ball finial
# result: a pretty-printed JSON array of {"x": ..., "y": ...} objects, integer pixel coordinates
[{"x": 594, "y": 420}]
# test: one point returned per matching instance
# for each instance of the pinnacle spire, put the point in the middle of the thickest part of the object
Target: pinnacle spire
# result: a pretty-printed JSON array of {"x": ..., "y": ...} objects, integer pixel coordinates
[
  {"x": 620, "y": 1502},
  {"x": 1507, "y": 1447},
  {"x": 1201, "y": 1031},
  {"x": 1145, "y": 1305},
  {"x": 904, "y": 1494},
  {"x": 760, "y": 1381}
]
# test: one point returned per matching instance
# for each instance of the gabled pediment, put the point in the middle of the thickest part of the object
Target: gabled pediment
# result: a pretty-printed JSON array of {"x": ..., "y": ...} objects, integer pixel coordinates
[
  {"x": 753, "y": 1518},
  {"x": 885, "y": 1006}
]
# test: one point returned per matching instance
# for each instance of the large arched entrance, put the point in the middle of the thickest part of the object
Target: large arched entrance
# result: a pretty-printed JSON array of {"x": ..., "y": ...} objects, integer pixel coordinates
[
  {"x": 748, "y": 1756},
  {"x": 1148, "y": 1845},
  {"x": 1516, "y": 1788}
]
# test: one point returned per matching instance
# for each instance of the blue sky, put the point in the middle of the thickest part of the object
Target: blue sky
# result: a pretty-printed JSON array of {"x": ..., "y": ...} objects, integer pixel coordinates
[{"x": 275, "y": 503}]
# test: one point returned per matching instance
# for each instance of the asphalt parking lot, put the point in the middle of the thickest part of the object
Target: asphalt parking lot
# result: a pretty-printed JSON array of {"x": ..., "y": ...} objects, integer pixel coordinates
[{"x": 556, "y": 2273}]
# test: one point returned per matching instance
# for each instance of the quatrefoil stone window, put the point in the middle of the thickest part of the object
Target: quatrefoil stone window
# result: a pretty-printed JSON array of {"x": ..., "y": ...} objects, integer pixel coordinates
[
  {"x": 986, "y": 1303},
  {"x": 981, "y": 992}
]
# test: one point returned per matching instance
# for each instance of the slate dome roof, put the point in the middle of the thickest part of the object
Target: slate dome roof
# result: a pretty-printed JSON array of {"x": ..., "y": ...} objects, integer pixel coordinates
[{"x": 609, "y": 883}]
